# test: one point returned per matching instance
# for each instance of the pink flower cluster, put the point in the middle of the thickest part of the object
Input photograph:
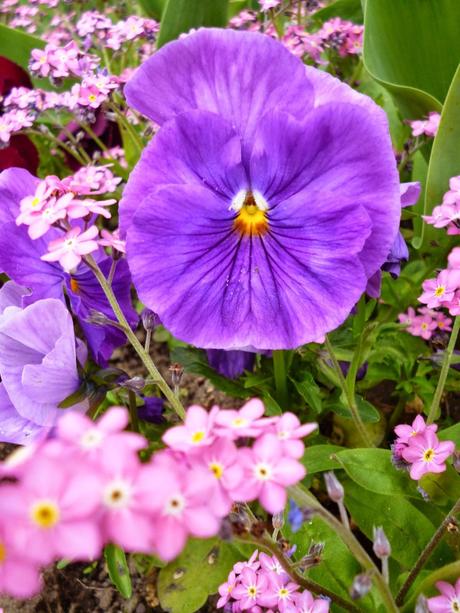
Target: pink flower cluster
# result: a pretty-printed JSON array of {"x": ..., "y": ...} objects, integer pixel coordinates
[
  {"x": 448, "y": 601},
  {"x": 113, "y": 35},
  {"x": 428, "y": 126},
  {"x": 14, "y": 121},
  {"x": 61, "y": 62},
  {"x": 58, "y": 203},
  {"x": 444, "y": 289},
  {"x": 425, "y": 322},
  {"x": 419, "y": 446},
  {"x": 86, "y": 486},
  {"x": 447, "y": 214},
  {"x": 344, "y": 36},
  {"x": 261, "y": 584}
]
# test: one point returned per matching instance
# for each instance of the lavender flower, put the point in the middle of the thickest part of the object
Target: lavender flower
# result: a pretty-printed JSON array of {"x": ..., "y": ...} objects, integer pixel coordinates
[
  {"x": 38, "y": 364},
  {"x": 260, "y": 210}
]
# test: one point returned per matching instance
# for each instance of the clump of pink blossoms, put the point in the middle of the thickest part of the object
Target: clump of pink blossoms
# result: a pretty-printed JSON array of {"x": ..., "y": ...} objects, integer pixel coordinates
[
  {"x": 261, "y": 584},
  {"x": 425, "y": 322},
  {"x": 428, "y": 126},
  {"x": 418, "y": 446},
  {"x": 101, "y": 492}
]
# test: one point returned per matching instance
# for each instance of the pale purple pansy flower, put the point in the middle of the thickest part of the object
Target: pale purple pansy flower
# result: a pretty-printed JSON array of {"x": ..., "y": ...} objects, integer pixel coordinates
[
  {"x": 38, "y": 367},
  {"x": 259, "y": 211}
]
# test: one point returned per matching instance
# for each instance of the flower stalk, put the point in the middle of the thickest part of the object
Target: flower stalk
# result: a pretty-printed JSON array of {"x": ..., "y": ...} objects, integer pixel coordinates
[{"x": 137, "y": 345}]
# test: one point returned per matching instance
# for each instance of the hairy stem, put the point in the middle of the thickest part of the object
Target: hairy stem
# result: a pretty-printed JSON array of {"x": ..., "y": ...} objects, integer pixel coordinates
[
  {"x": 137, "y": 345},
  {"x": 304, "y": 499},
  {"x": 133, "y": 411},
  {"x": 444, "y": 371},
  {"x": 430, "y": 546},
  {"x": 348, "y": 391}
]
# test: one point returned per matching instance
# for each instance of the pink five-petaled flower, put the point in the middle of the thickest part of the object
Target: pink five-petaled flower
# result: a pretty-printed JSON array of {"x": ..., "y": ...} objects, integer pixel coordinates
[
  {"x": 180, "y": 504},
  {"x": 196, "y": 431},
  {"x": 112, "y": 240},
  {"x": 422, "y": 325},
  {"x": 440, "y": 290},
  {"x": 268, "y": 471},
  {"x": 405, "y": 432},
  {"x": 247, "y": 421},
  {"x": 306, "y": 603},
  {"x": 221, "y": 460},
  {"x": 69, "y": 249},
  {"x": 52, "y": 512},
  {"x": 290, "y": 432},
  {"x": 251, "y": 588},
  {"x": 19, "y": 576},
  {"x": 226, "y": 589},
  {"x": 427, "y": 454},
  {"x": 280, "y": 593},
  {"x": 449, "y": 601}
]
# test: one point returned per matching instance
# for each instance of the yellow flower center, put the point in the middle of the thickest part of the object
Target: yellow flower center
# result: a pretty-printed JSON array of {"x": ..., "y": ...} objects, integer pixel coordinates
[
  {"x": 35, "y": 202},
  {"x": 439, "y": 291},
  {"x": 44, "y": 513},
  {"x": 252, "y": 591},
  {"x": 74, "y": 285},
  {"x": 251, "y": 220},
  {"x": 283, "y": 592},
  {"x": 2, "y": 553},
  {"x": 197, "y": 437},
  {"x": 217, "y": 469},
  {"x": 428, "y": 455}
]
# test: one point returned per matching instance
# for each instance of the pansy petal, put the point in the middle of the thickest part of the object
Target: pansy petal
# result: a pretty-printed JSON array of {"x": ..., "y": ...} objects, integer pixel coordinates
[
  {"x": 317, "y": 156},
  {"x": 15, "y": 184},
  {"x": 238, "y": 75},
  {"x": 13, "y": 427},
  {"x": 196, "y": 148}
]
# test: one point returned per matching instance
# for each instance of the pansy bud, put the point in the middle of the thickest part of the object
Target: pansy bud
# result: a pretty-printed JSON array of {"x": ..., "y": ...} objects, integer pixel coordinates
[
  {"x": 150, "y": 319},
  {"x": 135, "y": 384},
  {"x": 362, "y": 584},
  {"x": 381, "y": 546},
  {"x": 334, "y": 487}
]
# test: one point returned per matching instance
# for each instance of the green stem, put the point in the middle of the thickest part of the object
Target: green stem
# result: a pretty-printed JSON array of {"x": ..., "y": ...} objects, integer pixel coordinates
[
  {"x": 431, "y": 545},
  {"x": 137, "y": 345},
  {"x": 348, "y": 391},
  {"x": 128, "y": 127},
  {"x": 58, "y": 143},
  {"x": 304, "y": 499},
  {"x": 279, "y": 371},
  {"x": 133, "y": 411},
  {"x": 433, "y": 412},
  {"x": 88, "y": 129}
]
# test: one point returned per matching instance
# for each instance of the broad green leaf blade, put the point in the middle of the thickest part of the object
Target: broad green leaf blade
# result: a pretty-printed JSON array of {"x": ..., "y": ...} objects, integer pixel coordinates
[
  {"x": 182, "y": 15},
  {"x": 318, "y": 458},
  {"x": 450, "y": 434},
  {"x": 185, "y": 584},
  {"x": 445, "y": 155},
  {"x": 153, "y": 8},
  {"x": 17, "y": 45},
  {"x": 118, "y": 569},
  {"x": 309, "y": 390},
  {"x": 413, "y": 49},
  {"x": 373, "y": 470},
  {"x": 407, "y": 529},
  {"x": 346, "y": 9}
]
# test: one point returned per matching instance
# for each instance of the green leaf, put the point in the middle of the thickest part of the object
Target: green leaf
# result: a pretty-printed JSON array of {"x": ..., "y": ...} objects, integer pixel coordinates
[
  {"x": 318, "y": 458},
  {"x": 445, "y": 155},
  {"x": 194, "y": 361},
  {"x": 407, "y": 529},
  {"x": 182, "y": 15},
  {"x": 118, "y": 569},
  {"x": 413, "y": 49},
  {"x": 442, "y": 488},
  {"x": 450, "y": 434},
  {"x": 367, "y": 411},
  {"x": 373, "y": 470},
  {"x": 17, "y": 45},
  {"x": 309, "y": 390},
  {"x": 153, "y": 8},
  {"x": 346, "y": 9},
  {"x": 271, "y": 406},
  {"x": 185, "y": 584}
]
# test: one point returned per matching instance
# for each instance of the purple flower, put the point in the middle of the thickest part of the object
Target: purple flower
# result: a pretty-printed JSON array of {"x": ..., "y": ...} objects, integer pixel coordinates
[
  {"x": 231, "y": 364},
  {"x": 38, "y": 364},
  {"x": 258, "y": 213},
  {"x": 20, "y": 259}
]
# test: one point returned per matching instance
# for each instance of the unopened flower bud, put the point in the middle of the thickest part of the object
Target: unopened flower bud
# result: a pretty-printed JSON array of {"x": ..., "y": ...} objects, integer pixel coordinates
[
  {"x": 98, "y": 319},
  {"x": 313, "y": 557},
  {"x": 381, "y": 546},
  {"x": 135, "y": 384},
  {"x": 456, "y": 461},
  {"x": 278, "y": 521},
  {"x": 362, "y": 584},
  {"x": 421, "y": 606},
  {"x": 150, "y": 319},
  {"x": 334, "y": 487},
  {"x": 176, "y": 371}
]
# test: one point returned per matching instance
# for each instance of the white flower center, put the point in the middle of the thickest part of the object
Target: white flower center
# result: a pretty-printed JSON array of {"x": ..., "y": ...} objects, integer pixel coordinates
[
  {"x": 91, "y": 438},
  {"x": 263, "y": 471},
  {"x": 175, "y": 505},
  {"x": 117, "y": 494}
]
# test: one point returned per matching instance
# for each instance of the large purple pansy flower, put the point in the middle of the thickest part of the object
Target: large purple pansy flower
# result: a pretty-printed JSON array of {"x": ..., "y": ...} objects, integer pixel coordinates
[
  {"x": 267, "y": 200},
  {"x": 20, "y": 260},
  {"x": 38, "y": 364}
]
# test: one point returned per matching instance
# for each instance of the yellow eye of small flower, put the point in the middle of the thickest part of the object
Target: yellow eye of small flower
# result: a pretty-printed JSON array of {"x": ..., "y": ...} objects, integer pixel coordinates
[
  {"x": 439, "y": 291},
  {"x": 428, "y": 455},
  {"x": 217, "y": 469},
  {"x": 45, "y": 513},
  {"x": 197, "y": 437},
  {"x": 2, "y": 553}
]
